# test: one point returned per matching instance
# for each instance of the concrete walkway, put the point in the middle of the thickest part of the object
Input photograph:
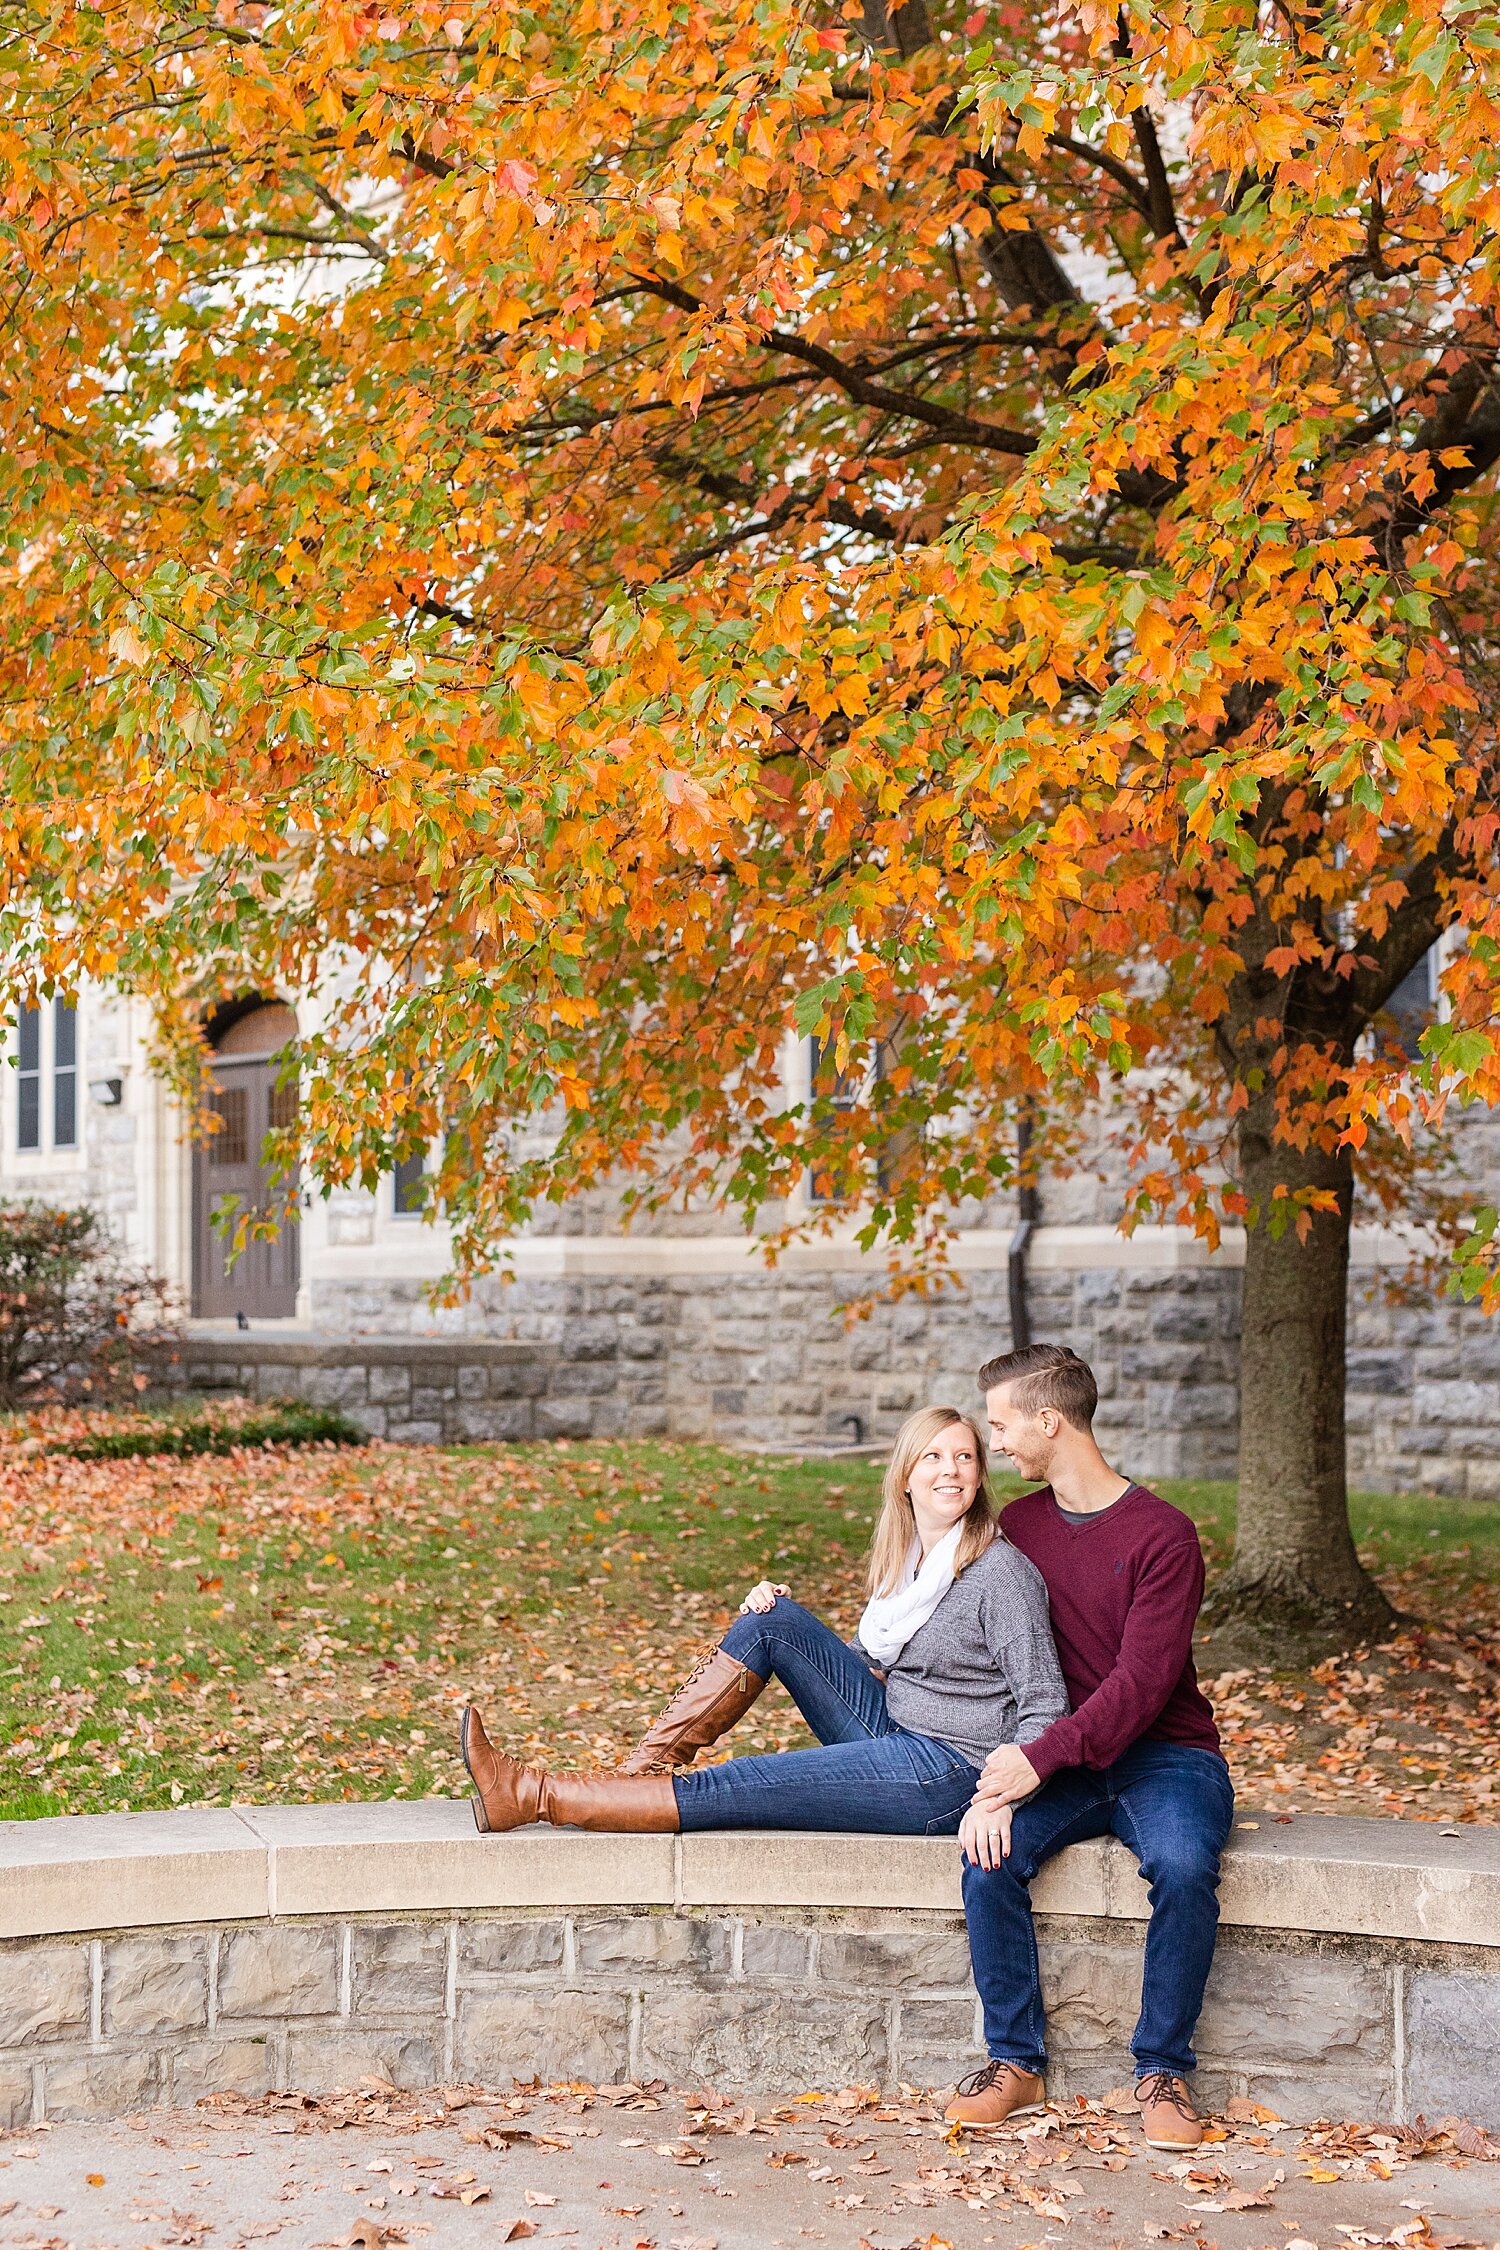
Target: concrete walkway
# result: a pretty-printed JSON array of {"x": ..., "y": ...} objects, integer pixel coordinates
[{"x": 621, "y": 2169}]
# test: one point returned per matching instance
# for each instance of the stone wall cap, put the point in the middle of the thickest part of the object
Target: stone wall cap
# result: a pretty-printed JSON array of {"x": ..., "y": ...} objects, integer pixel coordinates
[
  {"x": 89, "y": 1871},
  {"x": 228, "y": 1347},
  {"x": 1316, "y": 1872}
]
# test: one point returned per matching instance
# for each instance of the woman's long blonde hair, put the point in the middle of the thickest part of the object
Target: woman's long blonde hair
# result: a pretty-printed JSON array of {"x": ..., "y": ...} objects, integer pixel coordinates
[{"x": 897, "y": 1525}]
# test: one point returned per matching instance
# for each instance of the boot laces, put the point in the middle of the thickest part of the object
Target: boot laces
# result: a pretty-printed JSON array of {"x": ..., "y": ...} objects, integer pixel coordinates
[
  {"x": 1164, "y": 2086},
  {"x": 696, "y": 1673},
  {"x": 981, "y": 2080}
]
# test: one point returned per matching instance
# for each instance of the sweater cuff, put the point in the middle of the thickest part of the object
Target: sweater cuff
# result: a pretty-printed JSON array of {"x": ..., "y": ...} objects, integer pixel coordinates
[{"x": 1050, "y": 1752}]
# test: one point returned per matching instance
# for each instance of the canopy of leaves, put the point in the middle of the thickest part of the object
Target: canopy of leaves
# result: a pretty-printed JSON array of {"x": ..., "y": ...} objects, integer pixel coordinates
[{"x": 642, "y": 527}]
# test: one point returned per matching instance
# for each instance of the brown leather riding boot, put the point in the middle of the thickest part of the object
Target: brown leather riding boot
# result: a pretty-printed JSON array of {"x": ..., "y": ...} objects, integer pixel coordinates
[
  {"x": 510, "y": 1795},
  {"x": 716, "y": 1694}
]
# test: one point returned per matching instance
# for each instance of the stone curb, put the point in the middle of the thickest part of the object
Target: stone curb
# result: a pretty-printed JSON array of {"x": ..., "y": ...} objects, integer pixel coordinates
[{"x": 109, "y": 1871}]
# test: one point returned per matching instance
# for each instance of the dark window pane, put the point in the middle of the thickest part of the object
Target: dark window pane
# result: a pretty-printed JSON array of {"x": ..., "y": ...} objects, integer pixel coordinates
[
  {"x": 64, "y": 1108},
  {"x": 64, "y": 1035},
  {"x": 410, "y": 1192},
  {"x": 282, "y": 1106},
  {"x": 29, "y": 1039},
  {"x": 1414, "y": 1005},
  {"x": 29, "y": 1114},
  {"x": 231, "y": 1143}
]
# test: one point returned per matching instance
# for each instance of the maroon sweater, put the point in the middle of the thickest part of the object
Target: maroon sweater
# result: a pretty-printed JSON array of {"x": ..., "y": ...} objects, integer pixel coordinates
[{"x": 1125, "y": 1589}]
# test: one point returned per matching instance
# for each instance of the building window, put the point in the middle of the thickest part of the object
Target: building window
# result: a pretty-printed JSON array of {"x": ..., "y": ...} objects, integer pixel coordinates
[
  {"x": 409, "y": 1186},
  {"x": 64, "y": 1074},
  {"x": 1414, "y": 1004},
  {"x": 29, "y": 1079}
]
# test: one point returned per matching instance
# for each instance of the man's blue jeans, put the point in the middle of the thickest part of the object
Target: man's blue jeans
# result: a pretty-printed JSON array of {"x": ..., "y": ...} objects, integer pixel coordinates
[
  {"x": 869, "y": 1774},
  {"x": 1172, "y": 1805}
]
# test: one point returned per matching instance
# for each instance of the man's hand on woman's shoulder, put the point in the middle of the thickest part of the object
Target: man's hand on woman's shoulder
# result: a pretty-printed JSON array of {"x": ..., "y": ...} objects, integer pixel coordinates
[
  {"x": 762, "y": 1596},
  {"x": 1008, "y": 1776}
]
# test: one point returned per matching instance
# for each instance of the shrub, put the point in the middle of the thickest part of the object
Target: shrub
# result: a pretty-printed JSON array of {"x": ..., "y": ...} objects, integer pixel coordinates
[
  {"x": 74, "y": 1314},
  {"x": 202, "y": 1428}
]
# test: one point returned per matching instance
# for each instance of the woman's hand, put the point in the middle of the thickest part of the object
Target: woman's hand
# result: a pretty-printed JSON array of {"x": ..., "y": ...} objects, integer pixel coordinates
[
  {"x": 762, "y": 1597},
  {"x": 984, "y": 1833}
]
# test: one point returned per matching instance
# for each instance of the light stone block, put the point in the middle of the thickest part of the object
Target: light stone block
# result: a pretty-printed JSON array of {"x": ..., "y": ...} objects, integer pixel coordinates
[
  {"x": 401, "y": 1969},
  {"x": 428, "y": 1856},
  {"x": 219, "y": 2066},
  {"x": 102, "y": 2085},
  {"x": 277, "y": 1972},
  {"x": 775, "y": 1950},
  {"x": 886, "y": 1960},
  {"x": 44, "y": 1993},
  {"x": 15, "y": 2095},
  {"x": 91, "y": 1871},
  {"x": 937, "y": 2042},
  {"x": 775, "y": 1868},
  {"x": 565, "y": 2034},
  {"x": 762, "y": 2042},
  {"x": 658, "y": 1943},
  {"x": 155, "y": 1984},
  {"x": 1091, "y": 1993},
  {"x": 1271, "y": 2010},
  {"x": 509, "y": 1948},
  {"x": 323, "y": 2061},
  {"x": 1303, "y": 2096},
  {"x": 1369, "y": 1878},
  {"x": 1453, "y": 2042}
]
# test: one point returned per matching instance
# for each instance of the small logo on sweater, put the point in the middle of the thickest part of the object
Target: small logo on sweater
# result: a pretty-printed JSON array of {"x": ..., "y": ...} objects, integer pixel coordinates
[{"x": 1119, "y": 1564}]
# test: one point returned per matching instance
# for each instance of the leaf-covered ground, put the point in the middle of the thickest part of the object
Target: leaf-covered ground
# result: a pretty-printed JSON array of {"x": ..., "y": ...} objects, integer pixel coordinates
[
  {"x": 630, "y": 2167},
  {"x": 306, "y": 1624}
]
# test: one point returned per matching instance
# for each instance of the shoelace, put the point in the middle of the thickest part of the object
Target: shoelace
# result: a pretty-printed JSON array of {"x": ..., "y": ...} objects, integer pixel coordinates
[
  {"x": 981, "y": 2080},
  {"x": 1161, "y": 2086}
]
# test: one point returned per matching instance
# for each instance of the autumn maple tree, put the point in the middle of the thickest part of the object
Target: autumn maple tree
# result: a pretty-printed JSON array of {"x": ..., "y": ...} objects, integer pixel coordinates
[{"x": 597, "y": 538}]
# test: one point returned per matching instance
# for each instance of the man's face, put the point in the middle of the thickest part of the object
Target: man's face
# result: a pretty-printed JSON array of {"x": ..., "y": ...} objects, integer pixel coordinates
[{"x": 1027, "y": 1440}]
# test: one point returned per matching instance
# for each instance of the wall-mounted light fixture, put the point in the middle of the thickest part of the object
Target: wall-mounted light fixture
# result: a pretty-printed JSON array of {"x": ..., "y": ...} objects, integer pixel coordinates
[{"x": 107, "y": 1092}]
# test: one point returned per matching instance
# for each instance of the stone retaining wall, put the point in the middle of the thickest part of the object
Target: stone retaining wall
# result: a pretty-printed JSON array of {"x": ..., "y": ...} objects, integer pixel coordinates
[
  {"x": 1358, "y": 1973},
  {"x": 765, "y": 1358}
]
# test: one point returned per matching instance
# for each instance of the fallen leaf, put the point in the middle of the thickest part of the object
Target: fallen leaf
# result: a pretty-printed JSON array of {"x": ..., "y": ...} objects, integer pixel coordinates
[
  {"x": 519, "y": 2230},
  {"x": 538, "y": 2200}
]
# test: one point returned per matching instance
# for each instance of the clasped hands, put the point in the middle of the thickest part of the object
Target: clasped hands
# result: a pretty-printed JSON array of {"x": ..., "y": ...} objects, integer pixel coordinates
[{"x": 1008, "y": 1777}]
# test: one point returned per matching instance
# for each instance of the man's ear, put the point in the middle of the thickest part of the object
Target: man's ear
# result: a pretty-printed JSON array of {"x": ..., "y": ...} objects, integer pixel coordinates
[{"x": 1050, "y": 1420}]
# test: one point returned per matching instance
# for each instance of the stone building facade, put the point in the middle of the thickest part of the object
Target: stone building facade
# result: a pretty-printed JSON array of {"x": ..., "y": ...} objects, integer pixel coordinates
[{"x": 686, "y": 1330}]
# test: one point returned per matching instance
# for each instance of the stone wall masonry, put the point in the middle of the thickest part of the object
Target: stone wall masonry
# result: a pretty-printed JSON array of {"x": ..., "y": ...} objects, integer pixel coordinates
[
  {"x": 765, "y": 1358},
  {"x": 1358, "y": 1970}
]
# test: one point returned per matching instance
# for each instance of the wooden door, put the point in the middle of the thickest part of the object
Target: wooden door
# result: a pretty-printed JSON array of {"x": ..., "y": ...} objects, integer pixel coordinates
[{"x": 262, "y": 1282}]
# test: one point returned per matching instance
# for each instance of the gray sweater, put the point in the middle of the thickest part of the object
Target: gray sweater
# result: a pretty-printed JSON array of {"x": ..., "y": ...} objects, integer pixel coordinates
[{"x": 983, "y": 1670}]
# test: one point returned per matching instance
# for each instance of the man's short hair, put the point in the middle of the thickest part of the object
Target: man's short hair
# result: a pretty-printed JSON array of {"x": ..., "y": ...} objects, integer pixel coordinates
[{"x": 1046, "y": 1375}]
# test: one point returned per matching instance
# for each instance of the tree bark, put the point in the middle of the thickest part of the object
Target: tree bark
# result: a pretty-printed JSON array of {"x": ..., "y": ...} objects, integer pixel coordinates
[{"x": 1295, "y": 1574}]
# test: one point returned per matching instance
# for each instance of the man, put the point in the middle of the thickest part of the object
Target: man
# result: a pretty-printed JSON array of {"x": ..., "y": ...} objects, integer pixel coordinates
[{"x": 1137, "y": 1757}]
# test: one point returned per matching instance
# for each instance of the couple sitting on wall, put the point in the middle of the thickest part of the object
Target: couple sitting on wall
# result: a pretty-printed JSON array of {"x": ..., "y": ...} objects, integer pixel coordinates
[{"x": 964, "y": 1708}]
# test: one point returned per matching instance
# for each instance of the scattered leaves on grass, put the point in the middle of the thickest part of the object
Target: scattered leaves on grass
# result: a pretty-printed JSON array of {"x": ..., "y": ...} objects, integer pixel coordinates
[{"x": 283, "y": 1625}]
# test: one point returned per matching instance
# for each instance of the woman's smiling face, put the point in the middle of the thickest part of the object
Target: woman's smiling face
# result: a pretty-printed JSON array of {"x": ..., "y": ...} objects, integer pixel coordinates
[{"x": 945, "y": 1477}]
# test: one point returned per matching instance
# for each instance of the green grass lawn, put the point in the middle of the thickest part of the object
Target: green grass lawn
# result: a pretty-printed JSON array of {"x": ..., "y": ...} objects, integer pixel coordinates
[{"x": 305, "y": 1624}]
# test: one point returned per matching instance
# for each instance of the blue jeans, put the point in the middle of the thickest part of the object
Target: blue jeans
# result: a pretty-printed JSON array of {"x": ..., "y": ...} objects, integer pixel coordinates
[
  {"x": 1172, "y": 1805},
  {"x": 869, "y": 1774}
]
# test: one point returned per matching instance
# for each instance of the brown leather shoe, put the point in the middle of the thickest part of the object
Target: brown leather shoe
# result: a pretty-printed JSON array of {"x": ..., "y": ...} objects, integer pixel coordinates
[
  {"x": 1167, "y": 2113},
  {"x": 716, "y": 1694},
  {"x": 509, "y": 1795},
  {"x": 995, "y": 2094}
]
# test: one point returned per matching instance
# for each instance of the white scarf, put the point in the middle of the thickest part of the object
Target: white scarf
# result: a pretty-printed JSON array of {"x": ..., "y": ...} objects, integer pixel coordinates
[{"x": 890, "y": 1620}]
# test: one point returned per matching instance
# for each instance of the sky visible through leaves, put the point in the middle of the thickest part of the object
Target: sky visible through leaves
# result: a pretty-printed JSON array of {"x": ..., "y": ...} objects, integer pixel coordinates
[{"x": 302, "y": 1625}]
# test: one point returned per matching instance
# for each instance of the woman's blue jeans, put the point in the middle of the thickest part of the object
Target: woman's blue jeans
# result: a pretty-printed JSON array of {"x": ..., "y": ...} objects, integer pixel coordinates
[
  {"x": 1172, "y": 1805},
  {"x": 868, "y": 1775}
]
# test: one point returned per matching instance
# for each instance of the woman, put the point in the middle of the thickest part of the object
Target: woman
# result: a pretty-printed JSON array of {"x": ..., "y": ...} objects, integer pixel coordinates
[{"x": 954, "y": 1656}]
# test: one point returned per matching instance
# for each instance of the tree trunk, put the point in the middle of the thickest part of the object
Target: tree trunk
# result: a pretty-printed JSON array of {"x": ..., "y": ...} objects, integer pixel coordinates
[{"x": 1295, "y": 1575}]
